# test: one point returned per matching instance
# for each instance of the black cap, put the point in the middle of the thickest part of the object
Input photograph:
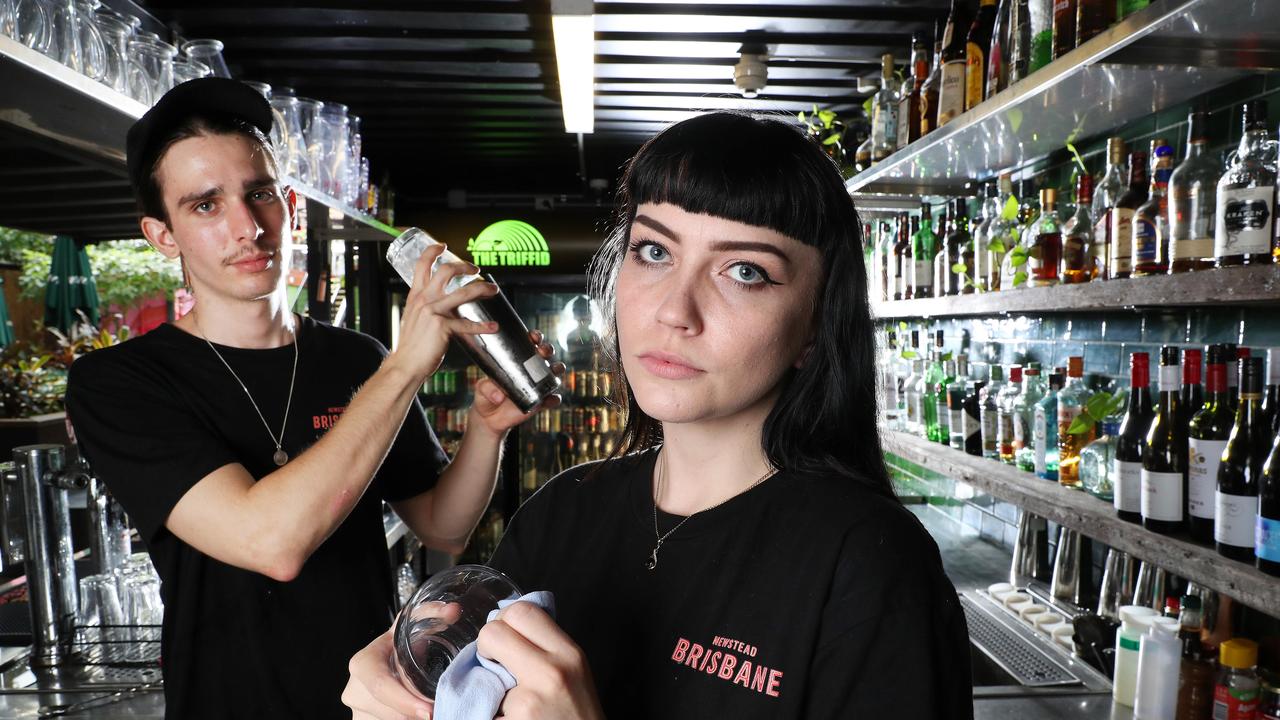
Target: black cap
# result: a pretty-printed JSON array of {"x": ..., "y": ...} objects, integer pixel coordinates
[{"x": 204, "y": 95}]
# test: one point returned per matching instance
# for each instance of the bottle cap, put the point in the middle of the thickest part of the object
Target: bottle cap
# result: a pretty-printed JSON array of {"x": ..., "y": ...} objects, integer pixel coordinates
[
  {"x": 1238, "y": 653},
  {"x": 1255, "y": 114},
  {"x": 1048, "y": 196},
  {"x": 995, "y": 373},
  {"x": 1015, "y": 373},
  {"x": 1191, "y": 602},
  {"x": 1115, "y": 150},
  {"x": 1075, "y": 366}
]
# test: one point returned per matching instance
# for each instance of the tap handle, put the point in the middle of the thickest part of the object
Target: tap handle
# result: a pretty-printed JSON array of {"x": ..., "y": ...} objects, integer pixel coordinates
[{"x": 13, "y": 524}]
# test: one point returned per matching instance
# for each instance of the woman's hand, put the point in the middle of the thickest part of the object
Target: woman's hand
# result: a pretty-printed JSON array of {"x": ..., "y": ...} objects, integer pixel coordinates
[
  {"x": 494, "y": 412},
  {"x": 551, "y": 672},
  {"x": 374, "y": 692},
  {"x": 429, "y": 318}
]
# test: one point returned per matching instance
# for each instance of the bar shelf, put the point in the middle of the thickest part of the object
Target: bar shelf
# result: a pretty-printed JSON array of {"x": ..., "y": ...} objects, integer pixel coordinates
[
  {"x": 1095, "y": 518},
  {"x": 62, "y": 136},
  {"x": 1249, "y": 285},
  {"x": 1153, "y": 60}
]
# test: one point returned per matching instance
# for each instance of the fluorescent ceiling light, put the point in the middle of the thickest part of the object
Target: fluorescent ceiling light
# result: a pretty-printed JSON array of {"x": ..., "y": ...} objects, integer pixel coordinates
[{"x": 573, "y": 27}]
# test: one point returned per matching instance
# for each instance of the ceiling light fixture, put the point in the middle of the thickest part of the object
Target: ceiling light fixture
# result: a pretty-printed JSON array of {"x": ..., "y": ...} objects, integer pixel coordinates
[
  {"x": 751, "y": 73},
  {"x": 573, "y": 27}
]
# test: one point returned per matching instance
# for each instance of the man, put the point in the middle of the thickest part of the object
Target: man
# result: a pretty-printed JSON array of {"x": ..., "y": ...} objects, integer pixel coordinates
[{"x": 252, "y": 448}]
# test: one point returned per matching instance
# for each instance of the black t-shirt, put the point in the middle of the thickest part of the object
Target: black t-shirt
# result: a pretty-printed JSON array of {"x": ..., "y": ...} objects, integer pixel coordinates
[
  {"x": 800, "y": 598},
  {"x": 158, "y": 413}
]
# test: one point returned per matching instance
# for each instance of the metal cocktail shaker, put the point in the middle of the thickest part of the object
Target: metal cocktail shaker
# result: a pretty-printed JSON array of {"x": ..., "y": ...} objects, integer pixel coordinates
[{"x": 507, "y": 356}]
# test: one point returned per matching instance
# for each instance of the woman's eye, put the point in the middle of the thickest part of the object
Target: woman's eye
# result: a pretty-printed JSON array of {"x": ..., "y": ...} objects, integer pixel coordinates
[
  {"x": 747, "y": 274},
  {"x": 653, "y": 253}
]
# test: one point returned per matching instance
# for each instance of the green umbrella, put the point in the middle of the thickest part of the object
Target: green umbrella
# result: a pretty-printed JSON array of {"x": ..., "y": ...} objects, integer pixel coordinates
[
  {"x": 6, "y": 325},
  {"x": 70, "y": 287}
]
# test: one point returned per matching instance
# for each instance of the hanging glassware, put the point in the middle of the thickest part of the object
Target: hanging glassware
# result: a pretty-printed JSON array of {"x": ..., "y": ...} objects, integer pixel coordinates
[
  {"x": 185, "y": 69},
  {"x": 93, "y": 51},
  {"x": 116, "y": 32},
  {"x": 209, "y": 52},
  {"x": 32, "y": 24}
]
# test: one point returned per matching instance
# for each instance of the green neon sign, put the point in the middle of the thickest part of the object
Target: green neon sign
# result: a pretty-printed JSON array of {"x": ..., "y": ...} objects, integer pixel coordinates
[{"x": 509, "y": 243}]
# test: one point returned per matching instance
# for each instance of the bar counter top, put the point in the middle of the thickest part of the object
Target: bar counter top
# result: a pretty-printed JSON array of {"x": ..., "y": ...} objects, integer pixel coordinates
[{"x": 970, "y": 562}]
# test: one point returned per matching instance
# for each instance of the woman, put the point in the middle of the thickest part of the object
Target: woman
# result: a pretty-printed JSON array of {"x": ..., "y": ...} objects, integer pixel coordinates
[{"x": 745, "y": 556}]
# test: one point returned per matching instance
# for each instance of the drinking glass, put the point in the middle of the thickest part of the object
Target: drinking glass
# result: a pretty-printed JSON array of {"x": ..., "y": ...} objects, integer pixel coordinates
[
  {"x": 8, "y": 18},
  {"x": 93, "y": 51},
  {"x": 444, "y": 616},
  {"x": 143, "y": 611},
  {"x": 65, "y": 36},
  {"x": 151, "y": 68},
  {"x": 334, "y": 136},
  {"x": 209, "y": 52},
  {"x": 185, "y": 69},
  {"x": 100, "y": 621},
  {"x": 309, "y": 158},
  {"x": 286, "y": 132},
  {"x": 116, "y": 32},
  {"x": 32, "y": 24},
  {"x": 262, "y": 88}
]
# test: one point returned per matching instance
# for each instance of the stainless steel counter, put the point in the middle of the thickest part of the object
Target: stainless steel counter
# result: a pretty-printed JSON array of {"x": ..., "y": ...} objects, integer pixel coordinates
[{"x": 973, "y": 563}]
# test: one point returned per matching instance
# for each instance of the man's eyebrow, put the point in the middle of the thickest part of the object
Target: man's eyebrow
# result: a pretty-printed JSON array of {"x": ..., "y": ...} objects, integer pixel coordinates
[
  {"x": 201, "y": 195},
  {"x": 264, "y": 181}
]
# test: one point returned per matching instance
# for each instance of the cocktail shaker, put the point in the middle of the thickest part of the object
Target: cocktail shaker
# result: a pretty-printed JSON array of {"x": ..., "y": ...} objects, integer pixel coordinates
[{"x": 507, "y": 356}]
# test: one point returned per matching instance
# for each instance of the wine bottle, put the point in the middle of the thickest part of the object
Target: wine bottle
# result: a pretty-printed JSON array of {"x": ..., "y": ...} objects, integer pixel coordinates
[
  {"x": 1122, "y": 217},
  {"x": 1236, "y": 501},
  {"x": 1207, "y": 436},
  {"x": 1127, "y": 468},
  {"x": 978, "y": 53},
  {"x": 1267, "y": 531},
  {"x": 1164, "y": 454},
  {"x": 954, "y": 64}
]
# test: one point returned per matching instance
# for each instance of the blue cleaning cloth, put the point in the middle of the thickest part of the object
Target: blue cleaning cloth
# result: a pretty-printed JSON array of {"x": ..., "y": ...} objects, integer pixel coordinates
[{"x": 472, "y": 687}]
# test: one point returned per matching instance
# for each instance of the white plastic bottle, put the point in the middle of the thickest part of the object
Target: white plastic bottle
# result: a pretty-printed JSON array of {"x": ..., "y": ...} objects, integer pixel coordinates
[
  {"x": 1159, "y": 661},
  {"x": 1134, "y": 621}
]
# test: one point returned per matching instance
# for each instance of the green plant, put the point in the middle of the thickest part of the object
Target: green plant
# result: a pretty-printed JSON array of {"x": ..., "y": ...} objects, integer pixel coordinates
[
  {"x": 14, "y": 242},
  {"x": 125, "y": 271},
  {"x": 827, "y": 129},
  {"x": 1099, "y": 405},
  {"x": 29, "y": 385}
]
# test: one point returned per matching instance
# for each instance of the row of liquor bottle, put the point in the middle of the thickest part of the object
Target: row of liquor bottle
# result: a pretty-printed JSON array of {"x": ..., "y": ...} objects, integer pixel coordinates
[
  {"x": 1191, "y": 218},
  {"x": 1204, "y": 458},
  {"x": 975, "y": 56}
]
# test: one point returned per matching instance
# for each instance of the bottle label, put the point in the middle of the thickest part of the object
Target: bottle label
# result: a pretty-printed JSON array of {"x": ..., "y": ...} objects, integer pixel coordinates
[
  {"x": 1040, "y": 440},
  {"x": 957, "y": 421},
  {"x": 1162, "y": 495},
  {"x": 1244, "y": 221},
  {"x": 1066, "y": 414},
  {"x": 1127, "y": 495},
  {"x": 1266, "y": 543},
  {"x": 923, "y": 270},
  {"x": 1146, "y": 241},
  {"x": 904, "y": 121},
  {"x": 1021, "y": 431},
  {"x": 1170, "y": 380},
  {"x": 951, "y": 95},
  {"x": 1236, "y": 521},
  {"x": 1203, "y": 458},
  {"x": 970, "y": 425},
  {"x": 911, "y": 407},
  {"x": 944, "y": 416},
  {"x": 1121, "y": 240},
  {"x": 975, "y": 74},
  {"x": 990, "y": 425},
  {"x": 1235, "y": 703},
  {"x": 884, "y": 125},
  {"x": 1192, "y": 248}
]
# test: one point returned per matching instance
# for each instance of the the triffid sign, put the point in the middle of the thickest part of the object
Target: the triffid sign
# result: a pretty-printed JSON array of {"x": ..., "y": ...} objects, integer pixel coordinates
[{"x": 509, "y": 243}]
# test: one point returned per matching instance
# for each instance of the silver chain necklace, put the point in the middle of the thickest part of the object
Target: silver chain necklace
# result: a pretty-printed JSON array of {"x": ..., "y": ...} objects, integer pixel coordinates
[
  {"x": 280, "y": 457},
  {"x": 652, "y": 562}
]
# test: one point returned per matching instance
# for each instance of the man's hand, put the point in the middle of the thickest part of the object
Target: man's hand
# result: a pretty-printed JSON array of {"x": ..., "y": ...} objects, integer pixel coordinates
[{"x": 494, "y": 413}]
